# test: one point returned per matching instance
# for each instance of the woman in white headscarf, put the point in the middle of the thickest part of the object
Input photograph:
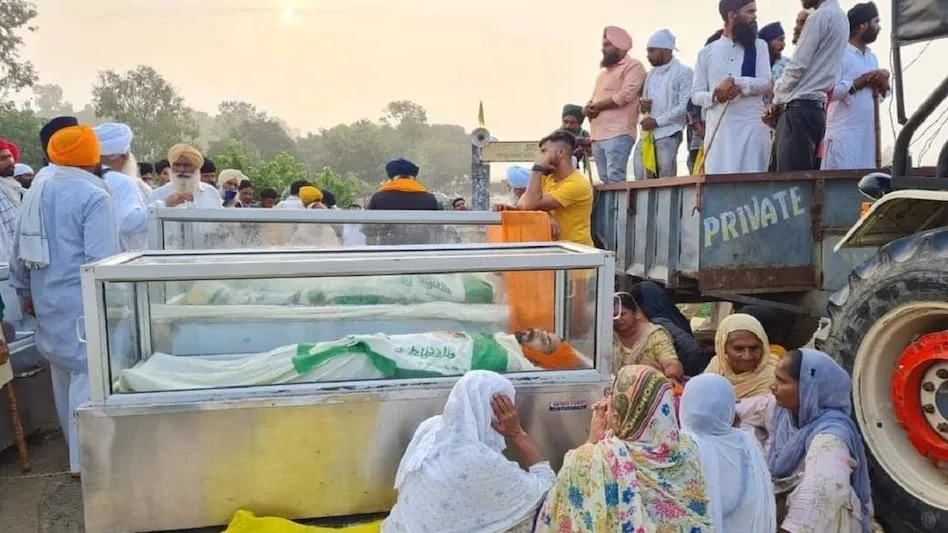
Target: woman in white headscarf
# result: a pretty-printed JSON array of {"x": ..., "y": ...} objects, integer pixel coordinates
[
  {"x": 454, "y": 476},
  {"x": 736, "y": 475}
]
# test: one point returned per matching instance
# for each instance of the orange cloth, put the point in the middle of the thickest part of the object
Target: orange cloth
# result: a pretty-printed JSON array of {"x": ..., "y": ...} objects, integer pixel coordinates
[
  {"x": 563, "y": 358},
  {"x": 75, "y": 146},
  {"x": 403, "y": 185},
  {"x": 530, "y": 294}
]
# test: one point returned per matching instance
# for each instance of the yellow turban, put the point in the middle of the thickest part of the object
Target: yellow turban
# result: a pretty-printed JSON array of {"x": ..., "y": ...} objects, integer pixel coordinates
[
  {"x": 189, "y": 152},
  {"x": 310, "y": 194},
  {"x": 75, "y": 146}
]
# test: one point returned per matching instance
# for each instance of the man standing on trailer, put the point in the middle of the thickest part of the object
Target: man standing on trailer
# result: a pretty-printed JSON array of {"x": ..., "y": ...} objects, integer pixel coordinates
[
  {"x": 66, "y": 221},
  {"x": 664, "y": 102},
  {"x": 731, "y": 79},
  {"x": 851, "y": 121},
  {"x": 613, "y": 110},
  {"x": 801, "y": 93}
]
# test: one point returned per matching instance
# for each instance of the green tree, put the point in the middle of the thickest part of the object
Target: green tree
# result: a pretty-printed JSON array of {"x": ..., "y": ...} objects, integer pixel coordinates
[
  {"x": 15, "y": 72},
  {"x": 278, "y": 172},
  {"x": 347, "y": 189},
  {"x": 233, "y": 113},
  {"x": 231, "y": 153},
  {"x": 146, "y": 102},
  {"x": 265, "y": 138},
  {"x": 21, "y": 126},
  {"x": 49, "y": 102}
]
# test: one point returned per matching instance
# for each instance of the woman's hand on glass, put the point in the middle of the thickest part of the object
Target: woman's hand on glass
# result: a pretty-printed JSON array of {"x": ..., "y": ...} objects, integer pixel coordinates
[{"x": 506, "y": 420}]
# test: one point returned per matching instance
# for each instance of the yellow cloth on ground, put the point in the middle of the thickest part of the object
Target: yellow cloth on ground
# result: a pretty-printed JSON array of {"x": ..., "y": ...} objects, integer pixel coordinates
[
  {"x": 246, "y": 522},
  {"x": 530, "y": 294},
  {"x": 748, "y": 384}
]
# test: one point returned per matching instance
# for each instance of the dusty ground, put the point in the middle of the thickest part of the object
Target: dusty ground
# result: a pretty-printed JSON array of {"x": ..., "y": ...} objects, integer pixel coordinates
[{"x": 46, "y": 500}]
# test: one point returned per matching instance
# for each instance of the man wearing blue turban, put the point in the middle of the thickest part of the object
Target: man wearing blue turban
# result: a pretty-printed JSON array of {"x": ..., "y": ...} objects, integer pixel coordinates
[
  {"x": 401, "y": 192},
  {"x": 776, "y": 40}
]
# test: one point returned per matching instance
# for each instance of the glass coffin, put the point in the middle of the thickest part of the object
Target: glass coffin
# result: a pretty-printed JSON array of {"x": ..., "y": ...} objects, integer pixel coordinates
[{"x": 284, "y": 319}]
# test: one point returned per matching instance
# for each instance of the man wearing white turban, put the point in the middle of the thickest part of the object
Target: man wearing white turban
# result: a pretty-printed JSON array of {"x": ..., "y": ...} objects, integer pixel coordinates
[{"x": 120, "y": 172}]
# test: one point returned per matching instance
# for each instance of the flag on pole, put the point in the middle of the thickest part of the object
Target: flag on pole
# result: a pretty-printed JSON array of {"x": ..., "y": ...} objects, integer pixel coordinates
[{"x": 480, "y": 114}]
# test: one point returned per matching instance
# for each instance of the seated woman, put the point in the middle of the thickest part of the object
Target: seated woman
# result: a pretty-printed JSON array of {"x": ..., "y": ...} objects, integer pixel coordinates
[
  {"x": 454, "y": 476},
  {"x": 817, "y": 457},
  {"x": 637, "y": 341},
  {"x": 662, "y": 311},
  {"x": 636, "y": 472},
  {"x": 777, "y": 325},
  {"x": 735, "y": 471},
  {"x": 740, "y": 344}
]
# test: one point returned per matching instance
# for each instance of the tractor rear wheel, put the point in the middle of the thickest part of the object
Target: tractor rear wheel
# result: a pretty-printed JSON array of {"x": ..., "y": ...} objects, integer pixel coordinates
[{"x": 890, "y": 331}]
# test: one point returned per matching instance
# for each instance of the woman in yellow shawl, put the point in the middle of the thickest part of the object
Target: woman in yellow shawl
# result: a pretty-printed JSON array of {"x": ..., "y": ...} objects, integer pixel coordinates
[
  {"x": 636, "y": 473},
  {"x": 637, "y": 341},
  {"x": 742, "y": 356}
]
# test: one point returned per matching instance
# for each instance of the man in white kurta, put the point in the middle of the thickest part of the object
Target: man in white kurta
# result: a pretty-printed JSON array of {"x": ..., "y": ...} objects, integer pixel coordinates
[
  {"x": 66, "y": 221},
  {"x": 850, "y": 123},
  {"x": 186, "y": 190},
  {"x": 665, "y": 98},
  {"x": 731, "y": 79},
  {"x": 119, "y": 171}
]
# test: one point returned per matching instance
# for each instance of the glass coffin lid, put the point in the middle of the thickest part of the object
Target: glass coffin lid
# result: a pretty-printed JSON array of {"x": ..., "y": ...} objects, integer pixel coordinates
[{"x": 234, "y": 321}]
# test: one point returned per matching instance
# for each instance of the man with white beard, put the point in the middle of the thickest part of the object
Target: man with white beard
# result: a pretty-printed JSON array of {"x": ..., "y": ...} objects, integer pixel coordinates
[
  {"x": 120, "y": 171},
  {"x": 186, "y": 188}
]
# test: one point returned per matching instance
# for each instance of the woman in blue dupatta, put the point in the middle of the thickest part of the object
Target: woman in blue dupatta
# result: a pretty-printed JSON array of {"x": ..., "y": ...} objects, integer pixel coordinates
[{"x": 817, "y": 458}]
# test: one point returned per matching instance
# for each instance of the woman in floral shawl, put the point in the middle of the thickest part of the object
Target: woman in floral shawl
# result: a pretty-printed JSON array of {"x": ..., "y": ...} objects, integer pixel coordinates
[{"x": 637, "y": 473}]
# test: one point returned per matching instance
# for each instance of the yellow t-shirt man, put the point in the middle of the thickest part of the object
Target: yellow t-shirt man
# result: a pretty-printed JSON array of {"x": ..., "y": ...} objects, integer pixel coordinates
[{"x": 574, "y": 193}]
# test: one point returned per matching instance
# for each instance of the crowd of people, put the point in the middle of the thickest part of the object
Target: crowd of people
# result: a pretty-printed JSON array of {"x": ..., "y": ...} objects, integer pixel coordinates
[
  {"x": 756, "y": 442},
  {"x": 741, "y": 437},
  {"x": 746, "y": 106}
]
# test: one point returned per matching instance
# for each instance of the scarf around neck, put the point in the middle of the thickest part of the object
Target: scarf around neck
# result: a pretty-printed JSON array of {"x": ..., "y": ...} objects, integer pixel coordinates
[{"x": 402, "y": 185}]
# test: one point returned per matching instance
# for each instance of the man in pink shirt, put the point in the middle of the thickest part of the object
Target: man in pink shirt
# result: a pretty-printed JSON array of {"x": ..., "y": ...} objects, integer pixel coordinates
[{"x": 613, "y": 111}]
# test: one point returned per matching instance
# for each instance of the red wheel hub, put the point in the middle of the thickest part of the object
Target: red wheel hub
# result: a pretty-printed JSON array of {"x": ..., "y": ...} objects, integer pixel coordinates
[{"x": 920, "y": 378}]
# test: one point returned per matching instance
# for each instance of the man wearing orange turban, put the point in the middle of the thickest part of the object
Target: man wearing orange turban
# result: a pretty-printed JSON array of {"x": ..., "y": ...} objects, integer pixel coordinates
[
  {"x": 66, "y": 221},
  {"x": 185, "y": 187}
]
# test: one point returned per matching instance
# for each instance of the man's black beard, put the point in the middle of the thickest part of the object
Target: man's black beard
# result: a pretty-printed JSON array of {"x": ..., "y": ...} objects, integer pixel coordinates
[
  {"x": 610, "y": 59},
  {"x": 745, "y": 34},
  {"x": 810, "y": 4},
  {"x": 7, "y": 172},
  {"x": 870, "y": 36}
]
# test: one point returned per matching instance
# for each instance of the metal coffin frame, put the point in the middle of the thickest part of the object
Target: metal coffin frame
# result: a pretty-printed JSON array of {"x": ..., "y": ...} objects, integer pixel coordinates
[
  {"x": 174, "y": 460},
  {"x": 158, "y": 217},
  {"x": 659, "y": 233}
]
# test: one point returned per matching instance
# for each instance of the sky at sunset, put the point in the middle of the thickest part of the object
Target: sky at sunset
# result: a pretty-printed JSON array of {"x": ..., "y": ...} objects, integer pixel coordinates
[{"x": 316, "y": 63}]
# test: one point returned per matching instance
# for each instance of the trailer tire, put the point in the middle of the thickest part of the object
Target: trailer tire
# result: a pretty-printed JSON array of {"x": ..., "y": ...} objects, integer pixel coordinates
[{"x": 904, "y": 272}]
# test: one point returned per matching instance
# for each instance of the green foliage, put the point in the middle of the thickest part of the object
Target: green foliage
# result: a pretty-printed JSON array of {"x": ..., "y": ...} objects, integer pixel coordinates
[
  {"x": 146, "y": 102},
  {"x": 15, "y": 73},
  {"x": 347, "y": 189},
  {"x": 231, "y": 153},
  {"x": 21, "y": 126},
  {"x": 49, "y": 102},
  {"x": 278, "y": 172}
]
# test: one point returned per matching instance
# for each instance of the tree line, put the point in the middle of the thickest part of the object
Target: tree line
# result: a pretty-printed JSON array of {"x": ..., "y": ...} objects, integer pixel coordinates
[{"x": 349, "y": 159}]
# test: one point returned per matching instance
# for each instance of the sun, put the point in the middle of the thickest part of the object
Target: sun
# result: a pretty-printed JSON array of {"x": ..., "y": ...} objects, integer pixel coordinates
[{"x": 289, "y": 15}]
